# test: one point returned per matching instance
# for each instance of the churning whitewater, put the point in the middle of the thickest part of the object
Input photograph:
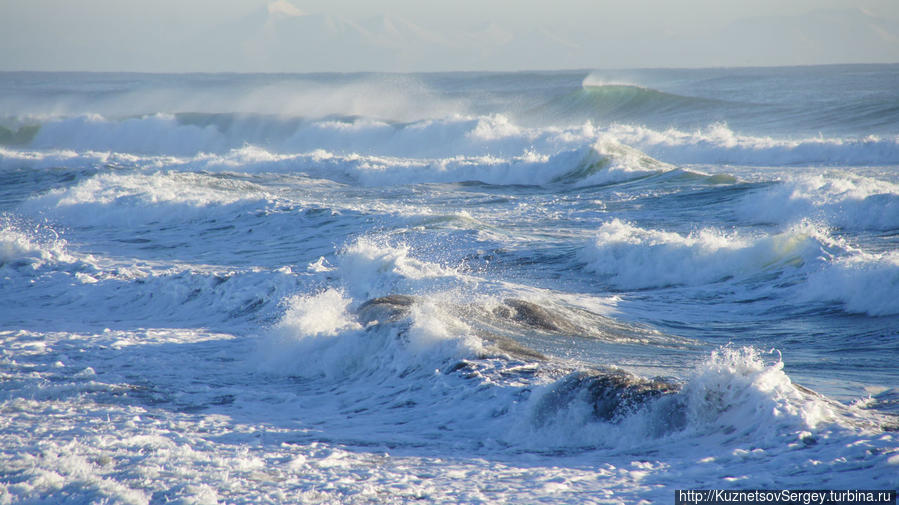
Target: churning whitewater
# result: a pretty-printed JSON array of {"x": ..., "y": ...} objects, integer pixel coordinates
[{"x": 558, "y": 287}]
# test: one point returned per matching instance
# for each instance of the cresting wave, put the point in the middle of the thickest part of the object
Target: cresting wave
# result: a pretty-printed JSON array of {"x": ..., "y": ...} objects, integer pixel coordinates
[
  {"x": 494, "y": 135},
  {"x": 30, "y": 245},
  {"x": 150, "y": 197},
  {"x": 843, "y": 200},
  {"x": 718, "y": 144},
  {"x": 451, "y": 288},
  {"x": 636, "y": 258},
  {"x": 83, "y": 290},
  {"x": 598, "y": 94},
  {"x": 596, "y": 101},
  {"x": 414, "y": 354},
  {"x": 602, "y": 163},
  {"x": 804, "y": 261}
]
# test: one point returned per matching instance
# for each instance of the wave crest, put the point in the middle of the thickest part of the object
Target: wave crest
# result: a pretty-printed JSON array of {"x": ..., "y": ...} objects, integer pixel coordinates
[
  {"x": 718, "y": 144},
  {"x": 638, "y": 258},
  {"x": 34, "y": 246},
  {"x": 847, "y": 201}
]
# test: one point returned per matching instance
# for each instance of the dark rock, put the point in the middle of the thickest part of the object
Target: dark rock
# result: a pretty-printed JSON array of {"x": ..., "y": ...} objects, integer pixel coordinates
[
  {"x": 612, "y": 394},
  {"x": 385, "y": 308}
]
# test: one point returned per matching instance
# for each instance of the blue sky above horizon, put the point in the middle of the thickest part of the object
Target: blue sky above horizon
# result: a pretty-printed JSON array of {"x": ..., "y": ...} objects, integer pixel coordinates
[{"x": 405, "y": 35}]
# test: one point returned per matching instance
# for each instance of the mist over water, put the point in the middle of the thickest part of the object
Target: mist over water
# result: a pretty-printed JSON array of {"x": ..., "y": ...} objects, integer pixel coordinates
[{"x": 461, "y": 287}]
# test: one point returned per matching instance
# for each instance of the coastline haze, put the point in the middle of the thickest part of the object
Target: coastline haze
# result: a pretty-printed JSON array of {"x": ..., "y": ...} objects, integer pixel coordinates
[{"x": 400, "y": 36}]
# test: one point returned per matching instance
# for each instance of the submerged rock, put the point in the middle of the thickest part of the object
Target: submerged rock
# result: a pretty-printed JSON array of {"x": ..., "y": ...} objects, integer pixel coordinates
[
  {"x": 512, "y": 348},
  {"x": 612, "y": 394},
  {"x": 534, "y": 315},
  {"x": 393, "y": 308},
  {"x": 385, "y": 309}
]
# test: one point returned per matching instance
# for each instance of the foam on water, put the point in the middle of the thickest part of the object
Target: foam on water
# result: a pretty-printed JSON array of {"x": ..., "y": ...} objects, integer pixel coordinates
[
  {"x": 374, "y": 337},
  {"x": 335, "y": 337},
  {"x": 496, "y": 135},
  {"x": 88, "y": 297},
  {"x": 635, "y": 258},
  {"x": 127, "y": 200},
  {"x": 248, "y": 435},
  {"x": 318, "y": 337},
  {"x": 718, "y": 144},
  {"x": 159, "y": 133},
  {"x": 863, "y": 283},
  {"x": 185, "y": 135},
  {"x": 732, "y": 398},
  {"x": 32, "y": 245},
  {"x": 603, "y": 163},
  {"x": 736, "y": 407},
  {"x": 736, "y": 388},
  {"x": 475, "y": 288},
  {"x": 87, "y": 290},
  {"x": 841, "y": 199},
  {"x": 408, "y": 362},
  {"x": 806, "y": 261}
]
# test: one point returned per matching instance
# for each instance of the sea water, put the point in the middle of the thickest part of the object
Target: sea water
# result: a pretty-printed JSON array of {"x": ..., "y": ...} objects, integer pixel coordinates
[{"x": 556, "y": 287}]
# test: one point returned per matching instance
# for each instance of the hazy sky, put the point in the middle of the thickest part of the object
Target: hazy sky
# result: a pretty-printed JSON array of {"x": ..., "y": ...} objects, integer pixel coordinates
[{"x": 415, "y": 35}]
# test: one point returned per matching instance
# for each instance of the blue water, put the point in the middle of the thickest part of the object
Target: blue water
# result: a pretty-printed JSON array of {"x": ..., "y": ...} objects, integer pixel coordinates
[{"x": 223, "y": 287}]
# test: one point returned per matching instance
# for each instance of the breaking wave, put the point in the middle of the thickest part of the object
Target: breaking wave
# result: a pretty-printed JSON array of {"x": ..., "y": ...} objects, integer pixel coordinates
[
  {"x": 718, "y": 144},
  {"x": 618, "y": 102},
  {"x": 804, "y": 261},
  {"x": 843, "y": 200},
  {"x": 494, "y": 136},
  {"x": 517, "y": 398},
  {"x": 637, "y": 258}
]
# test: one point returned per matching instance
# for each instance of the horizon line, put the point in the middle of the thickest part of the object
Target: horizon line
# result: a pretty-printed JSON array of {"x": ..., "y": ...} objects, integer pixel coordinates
[{"x": 419, "y": 72}]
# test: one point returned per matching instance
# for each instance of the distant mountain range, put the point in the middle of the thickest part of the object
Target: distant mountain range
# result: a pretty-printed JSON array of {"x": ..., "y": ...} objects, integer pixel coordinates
[{"x": 281, "y": 37}]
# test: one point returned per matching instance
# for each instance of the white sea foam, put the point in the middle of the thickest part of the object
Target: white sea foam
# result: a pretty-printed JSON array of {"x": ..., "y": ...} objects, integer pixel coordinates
[
  {"x": 487, "y": 148},
  {"x": 307, "y": 340},
  {"x": 862, "y": 283},
  {"x": 737, "y": 416},
  {"x": 719, "y": 144},
  {"x": 830, "y": 269},
  {"x": 736, "y": 389},
  {"x": 736, "y": 396},
  {"x": 219, "y": 343},
  {"x": 633, "y": 257},
  {"x": 159, "y": 133},
  {"x": 595, "y": 79},
  {"x": 37, "y": 245},
  {"x": 578, "y": 160},
  {"x": 841, "y": 199},
  {"x": 740, "y": 403},
  {"x": 127, "y": 200},
  {"x": 319, "y": 337},
  {"x": 166, "y": 134},
  {"x": 18, "y": 246},
  {"x": 94, "y": 293},
  {"x": 370, "y": 267},
  {"x": 603, "y": 163},
  {"x": 87, "y": 289}
]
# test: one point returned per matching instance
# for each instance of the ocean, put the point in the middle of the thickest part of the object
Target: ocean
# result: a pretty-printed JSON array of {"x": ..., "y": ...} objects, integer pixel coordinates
[{"x": 534, "y": 287}]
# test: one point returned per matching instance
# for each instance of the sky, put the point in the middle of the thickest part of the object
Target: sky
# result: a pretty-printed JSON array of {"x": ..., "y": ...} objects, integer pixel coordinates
[{"x": 415, "y": 35}]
